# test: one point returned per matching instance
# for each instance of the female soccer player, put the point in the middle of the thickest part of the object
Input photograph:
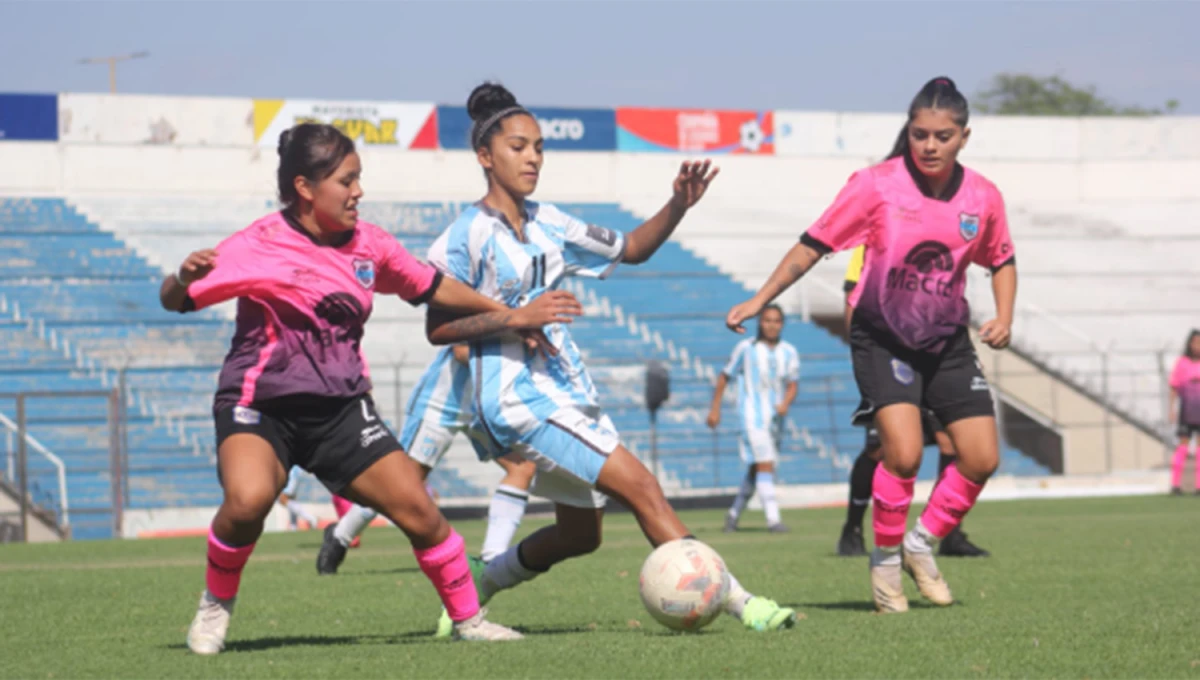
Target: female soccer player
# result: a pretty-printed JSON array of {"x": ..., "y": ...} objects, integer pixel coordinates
[
  {"x": 294, "y": 387},
  {"x": 768, "y": 373},
  {"x": 862, "y": 475},
  {"x": 1185, "y": 391},
  {"x": 924, "y": 218},
  {"x": 440, "y": 407},
  {"x": 544, "y": 408}
]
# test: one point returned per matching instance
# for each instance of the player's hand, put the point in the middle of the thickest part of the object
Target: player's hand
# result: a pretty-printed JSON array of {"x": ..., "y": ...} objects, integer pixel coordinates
[
  {"x": 995, "y": 334},
  {"x": 537, "y": 342},
  {"x": 740, "y": 312},
  {"x": 692, "y": 181},
  {"x": 781, "y": 410},
  {"x": 197, "y": 266},
  {"x": 713, "y": 419},
  {"x": 556, "y": 306}
]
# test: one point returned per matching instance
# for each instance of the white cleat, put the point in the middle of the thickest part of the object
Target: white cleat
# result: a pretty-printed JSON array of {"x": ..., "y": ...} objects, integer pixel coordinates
[
  {"x": 207, "y": 634},
  {"x": 479, "y": 628},
  {"x": 886, "y": 584},
  {"x": 923, "y": 569}
]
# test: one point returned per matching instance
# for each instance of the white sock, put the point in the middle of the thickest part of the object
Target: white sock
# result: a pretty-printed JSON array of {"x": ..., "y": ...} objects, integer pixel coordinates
[
  {"x": 292, "y": 523},
  {"x": 352, "y": 524},
  {"x": 766, "y": 491},
  {"x": 738, "y": 596},
  {"x": 504, "y": 516},
  {"x": 505, "y": 571},
  {"x": 745, "y": 492},
  {"x": 889, "y": 556},
  {"x": 299, "y": 511},
  {"x": 919, "y": 539}
]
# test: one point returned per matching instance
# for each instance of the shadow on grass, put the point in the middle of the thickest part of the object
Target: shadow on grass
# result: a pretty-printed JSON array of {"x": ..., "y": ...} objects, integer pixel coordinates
[
  {"x": 856, "y": 605},
  {"x": 413, "y": 637}
]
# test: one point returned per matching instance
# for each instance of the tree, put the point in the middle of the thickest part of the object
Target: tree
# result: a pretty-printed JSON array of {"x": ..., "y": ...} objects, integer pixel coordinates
[{"x": 1020, "y": 94}]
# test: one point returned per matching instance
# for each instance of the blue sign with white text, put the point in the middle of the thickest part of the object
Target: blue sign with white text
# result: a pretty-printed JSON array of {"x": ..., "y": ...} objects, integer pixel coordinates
[
  {"x": 563, "y": 129},
  {"x": 29, "y": 117}
]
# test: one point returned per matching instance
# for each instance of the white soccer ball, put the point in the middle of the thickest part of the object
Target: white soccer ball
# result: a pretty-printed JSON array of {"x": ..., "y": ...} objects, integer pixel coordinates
[{"x": 684, "y": 584}]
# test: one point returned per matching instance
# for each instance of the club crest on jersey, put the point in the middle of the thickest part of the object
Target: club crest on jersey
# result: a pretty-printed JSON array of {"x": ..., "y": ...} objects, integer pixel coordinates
[
  {"x": 364, "y": 273},
  {"x": 968, "y": 226},
  {"x": 902, "y": 372}
]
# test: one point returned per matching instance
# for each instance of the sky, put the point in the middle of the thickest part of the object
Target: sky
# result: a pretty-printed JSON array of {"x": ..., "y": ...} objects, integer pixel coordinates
[{"x": 829, "y": 56}]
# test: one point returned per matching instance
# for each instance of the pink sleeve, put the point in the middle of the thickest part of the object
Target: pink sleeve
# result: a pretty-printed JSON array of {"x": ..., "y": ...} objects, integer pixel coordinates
[
  {"x": 1178, "y": 374},
  {"x": 997, "y": 248},
  {"x": 846, "y": 223},
  {"x": 237, "y": 273},
  {"x": 402, "y": 274}
]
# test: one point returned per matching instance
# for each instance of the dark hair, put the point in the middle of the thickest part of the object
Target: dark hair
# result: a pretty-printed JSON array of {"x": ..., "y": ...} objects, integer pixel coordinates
[
  {"x": 488, "y": 106},
  {"x": 312, "y": 151},
  {"x": 939, "y": 93},
  {"x": 1187, "y": 346},
  {"x": 782, "y": 317}
]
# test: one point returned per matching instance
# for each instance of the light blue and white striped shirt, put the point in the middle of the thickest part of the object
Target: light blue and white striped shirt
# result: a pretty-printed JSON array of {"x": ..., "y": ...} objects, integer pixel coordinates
[
  {"x": 763, "y": 374},
  {"x": 515, "y": 390}
]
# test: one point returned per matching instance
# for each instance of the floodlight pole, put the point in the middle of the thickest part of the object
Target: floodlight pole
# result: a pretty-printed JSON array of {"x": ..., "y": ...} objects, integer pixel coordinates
[{"x": 112, "y": 65}]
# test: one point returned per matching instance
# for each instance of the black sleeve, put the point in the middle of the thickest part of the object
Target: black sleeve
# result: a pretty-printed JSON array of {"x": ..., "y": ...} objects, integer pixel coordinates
[
  {"x": 189, "y": 305},
  {"x": 428, "y": 294},
  {"x": 816, "y": 245},
  {"x": 848, "y": 286},
  {"x": 1011, "y": 260}
]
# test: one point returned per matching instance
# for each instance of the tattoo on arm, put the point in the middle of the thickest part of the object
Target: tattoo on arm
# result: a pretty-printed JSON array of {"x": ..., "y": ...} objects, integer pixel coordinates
[{"x": 474, "y": 327}]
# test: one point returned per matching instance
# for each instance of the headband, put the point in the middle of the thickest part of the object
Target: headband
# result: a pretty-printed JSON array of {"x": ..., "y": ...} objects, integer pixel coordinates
[{"x": 479, "y": 129}]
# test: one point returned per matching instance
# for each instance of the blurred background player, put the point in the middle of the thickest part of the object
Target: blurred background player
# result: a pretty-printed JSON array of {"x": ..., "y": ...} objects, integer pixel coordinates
[
  {"x": 545, "y": 408},
  {"x": 287, "y": 498},
  {"x": 863, "y": 472},
  {"x": 294, "y": 388},
  {"x": 1185, "y": 395},
  {"x": 925, "y": 218},
  {"x": 767, "y": 369},
  {"x": 438, "y": 409}
]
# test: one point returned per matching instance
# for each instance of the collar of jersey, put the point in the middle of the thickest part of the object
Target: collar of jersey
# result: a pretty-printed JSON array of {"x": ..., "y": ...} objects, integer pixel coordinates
[
  {"x": 956, "y": 180},
  {"x": 531, "y": 210},
  {"x": 299, "y": 228}
]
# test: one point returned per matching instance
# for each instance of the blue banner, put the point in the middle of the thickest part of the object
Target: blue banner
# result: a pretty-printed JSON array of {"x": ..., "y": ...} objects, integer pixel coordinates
[
  {"x": 29, "y": 117},
  {"x": 563, "y": 129}
]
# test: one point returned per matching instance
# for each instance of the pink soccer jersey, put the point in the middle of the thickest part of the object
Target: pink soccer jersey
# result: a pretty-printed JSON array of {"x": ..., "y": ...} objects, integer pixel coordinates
[
  {"x": 912, "y": 284},
  {"x": 1185, "y": 380},
  {"x": 302, "y": 307}
]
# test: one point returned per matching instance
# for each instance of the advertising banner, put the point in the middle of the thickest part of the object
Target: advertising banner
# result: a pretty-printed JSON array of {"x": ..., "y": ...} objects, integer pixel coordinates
[
  {"x": 157, "y": 120},
  {"x": 403, "y": 125},
  {"x": 695, "y": 130},
  {"x": 563, "y": 129},
  {"x": 29, "y": 117}
]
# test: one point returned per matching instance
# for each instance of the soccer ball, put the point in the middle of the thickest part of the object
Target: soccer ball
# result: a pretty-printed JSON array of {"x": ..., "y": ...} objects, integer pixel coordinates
[{"x": 684, "y": 584}]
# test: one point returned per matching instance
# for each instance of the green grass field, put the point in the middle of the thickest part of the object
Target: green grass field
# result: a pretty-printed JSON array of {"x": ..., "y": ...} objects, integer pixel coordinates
[{"x": 1076, "y": 589}]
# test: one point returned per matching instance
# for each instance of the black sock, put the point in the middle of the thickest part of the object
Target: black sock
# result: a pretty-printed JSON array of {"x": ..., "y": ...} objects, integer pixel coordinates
[{"x": 862, "y": 478}]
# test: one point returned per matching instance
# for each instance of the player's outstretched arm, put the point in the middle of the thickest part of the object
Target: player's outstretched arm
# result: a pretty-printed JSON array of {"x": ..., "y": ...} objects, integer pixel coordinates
[
  {"x": 795, "y": 264},
  {"x": 445, "y": 327},
  {"x": 689, "y": 187},
  {"x": 173, "y": 291}
]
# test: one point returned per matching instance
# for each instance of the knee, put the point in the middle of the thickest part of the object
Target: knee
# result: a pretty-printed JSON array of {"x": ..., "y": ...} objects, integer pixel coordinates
[
  {"x": 420, "y": 521},
  {"x": 248, "y": 504},
  {"x": 579, "y": 543},
  {"x": 521, "y": 475},
  {"x": 978, "y": 468},
  {"x": 903, "y": 462}
]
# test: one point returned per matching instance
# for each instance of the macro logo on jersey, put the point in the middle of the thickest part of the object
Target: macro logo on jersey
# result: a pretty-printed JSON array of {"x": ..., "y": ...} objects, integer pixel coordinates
[
  {"x": 343, "y": 313},
  {"x": 968, "y": 226},
  {"x": 932, "y": 261},
  {"x": 364, "y": 273}
]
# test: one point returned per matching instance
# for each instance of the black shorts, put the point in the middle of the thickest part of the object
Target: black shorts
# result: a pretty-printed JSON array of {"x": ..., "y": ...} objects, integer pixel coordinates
[
  {"x": 334, "y": 439},
  {"x": 1187, "y": 430},
  {"x": 929, "y": 425},
  {"x": 950, "y": 384}
]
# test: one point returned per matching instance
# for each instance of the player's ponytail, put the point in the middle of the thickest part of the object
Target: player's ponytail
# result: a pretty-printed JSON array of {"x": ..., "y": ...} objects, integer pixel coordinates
[
  {"x": 488, "y": 106},
  {"x": 309, "y": 150},
  {"x": 939, "y": 93}
]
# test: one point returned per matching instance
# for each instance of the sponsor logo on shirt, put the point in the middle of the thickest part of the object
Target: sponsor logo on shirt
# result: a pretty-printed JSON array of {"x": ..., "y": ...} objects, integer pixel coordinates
[
  {"x": 601, "y": 235},
  {"x": 968, "y": 226},
  {"x": 902, "y": 372},
  {"x": 931, "y": 260},
  {"x": 344, "y": 314},
  {"x": 246, "y": 416},
  {"x": 364, "y": 273}
]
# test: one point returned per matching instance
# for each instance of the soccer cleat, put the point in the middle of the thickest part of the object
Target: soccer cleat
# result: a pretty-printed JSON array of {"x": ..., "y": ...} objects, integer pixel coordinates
[
  {"x": 779, "y": 528},
  {"x": 478, "y": 628},
  {"x": 851, "y": 542},
  {"x": 207, "y": 633},
  {"x": 332, "y": 553},
  {"x": 730, "y": 525},
  {"x": 957, "y": 545},
  {"x": 445, "y": 627},
  {"x": 1176, "y": 491},
  {"x": 923, "y": 570},
  {"x": 763, "y": 615},
  {"x": 886, "y": 585}
]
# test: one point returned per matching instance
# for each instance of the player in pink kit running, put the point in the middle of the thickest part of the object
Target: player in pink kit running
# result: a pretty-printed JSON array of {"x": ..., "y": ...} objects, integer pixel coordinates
[
  {"x": 1185, "y": 391},
  {"x": 294, "y": 386},
  {"x": 924, "y": 218}
]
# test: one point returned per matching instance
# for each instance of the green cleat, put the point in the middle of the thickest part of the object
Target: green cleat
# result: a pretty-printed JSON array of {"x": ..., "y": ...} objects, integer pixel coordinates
[
  {"x": 762, "y": 615},
  {"x": 445, "y": 627}
]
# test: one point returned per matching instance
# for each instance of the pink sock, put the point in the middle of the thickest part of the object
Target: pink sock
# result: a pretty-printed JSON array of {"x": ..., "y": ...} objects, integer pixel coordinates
[
  {"x": 225, "y": 566},
  {"x": 889, "y": 513},
  {"x": 446, "y": 565},
  {"x": 950, "y": 502},
  {"x": 341, "y": 506},
  {"x": 1177, "y": 462}
]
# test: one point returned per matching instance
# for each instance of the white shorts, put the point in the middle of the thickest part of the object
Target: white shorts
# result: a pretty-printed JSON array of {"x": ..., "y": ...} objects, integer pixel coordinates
[
  {"x": 569, "y": 449},
  {"x": 760, "y": 444}
]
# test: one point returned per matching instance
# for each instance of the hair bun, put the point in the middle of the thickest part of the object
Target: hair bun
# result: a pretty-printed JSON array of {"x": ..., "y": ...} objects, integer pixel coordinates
[
  {"x": 487, "y": 99},
  {"x": 942, "y": 81},
  {"x": 285, "y": 140}
]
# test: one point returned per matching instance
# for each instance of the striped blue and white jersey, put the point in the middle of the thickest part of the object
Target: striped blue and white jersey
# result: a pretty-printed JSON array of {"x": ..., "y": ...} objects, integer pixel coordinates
[
  {"x": 443, "y": 392},
  {"x": 517, "y": 390},
  {"x": 763, "y": 374}
]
